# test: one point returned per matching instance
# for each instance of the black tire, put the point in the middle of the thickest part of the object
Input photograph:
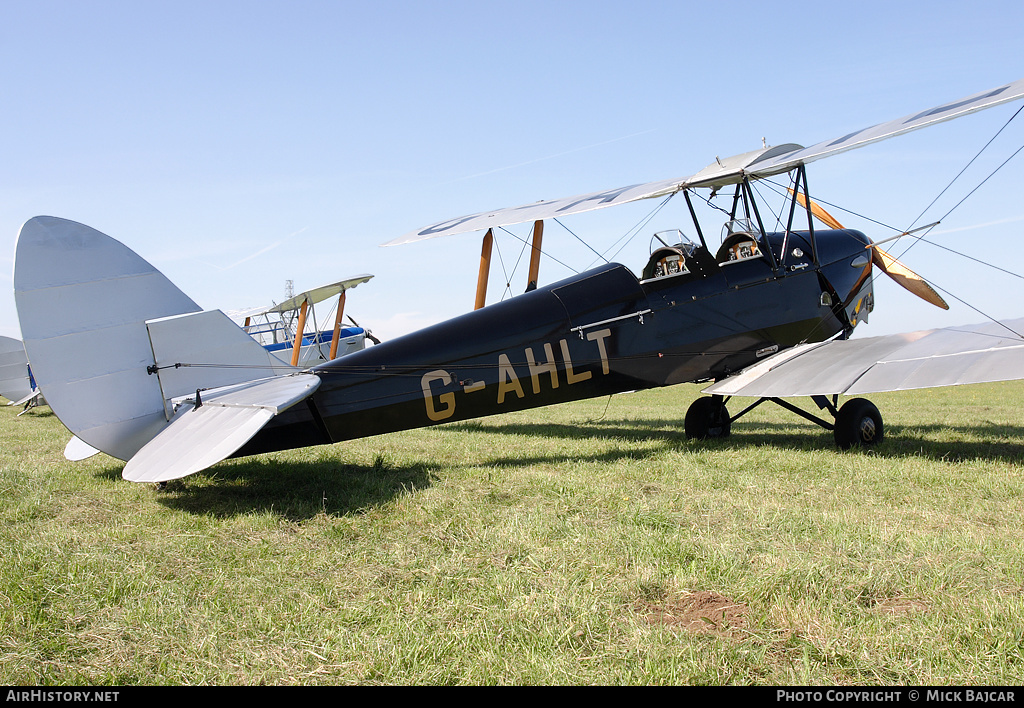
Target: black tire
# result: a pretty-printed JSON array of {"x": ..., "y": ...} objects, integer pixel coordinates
[
  {"x": 858, "y": 424},
  {"x": 707, "y": 418}
]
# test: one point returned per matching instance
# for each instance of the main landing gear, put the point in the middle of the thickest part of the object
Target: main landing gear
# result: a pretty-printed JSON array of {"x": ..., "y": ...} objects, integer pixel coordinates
[{"x": 856, "y": 424}]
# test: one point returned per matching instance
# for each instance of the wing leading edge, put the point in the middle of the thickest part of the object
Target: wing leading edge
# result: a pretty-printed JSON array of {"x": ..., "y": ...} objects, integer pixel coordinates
[
  {"x": 724, "y": 171},
  {"x": 952, "y": 356},
  {"x": 757, "y": 164},
  {"x": 915, "y": 121}
]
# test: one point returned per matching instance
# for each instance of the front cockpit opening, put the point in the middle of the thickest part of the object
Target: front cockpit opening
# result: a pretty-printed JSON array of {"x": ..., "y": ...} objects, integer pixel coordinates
[{"x": 740, "y": 242}]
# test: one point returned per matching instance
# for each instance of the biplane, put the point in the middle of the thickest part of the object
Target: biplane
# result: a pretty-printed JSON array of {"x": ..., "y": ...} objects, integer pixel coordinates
[
  {"x": 282, "y": 328},
  {"x": 135, "y": 368},
  {"x": 17, "y": 384}
]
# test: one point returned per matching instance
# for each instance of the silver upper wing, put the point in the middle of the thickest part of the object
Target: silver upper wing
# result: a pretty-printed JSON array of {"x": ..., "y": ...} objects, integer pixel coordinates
[
  {"x": 759, "y": 163},
  {"x": 915, "y": 121},
  {"x": 540, "y": 210},
  {"x": 943, "y": 357},
  {"x": 723, "y": 172}
]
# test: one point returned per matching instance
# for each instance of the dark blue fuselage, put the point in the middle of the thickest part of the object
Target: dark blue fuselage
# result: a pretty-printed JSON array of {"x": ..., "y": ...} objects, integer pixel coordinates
[{"x": 604, "y": 331}]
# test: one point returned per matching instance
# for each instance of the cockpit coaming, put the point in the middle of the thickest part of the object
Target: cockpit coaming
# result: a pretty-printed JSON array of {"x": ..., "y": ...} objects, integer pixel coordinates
[{"x": 747, "y": 257}]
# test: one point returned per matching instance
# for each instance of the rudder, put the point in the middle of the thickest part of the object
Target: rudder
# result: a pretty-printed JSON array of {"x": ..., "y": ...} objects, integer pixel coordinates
[{"x": 86, "y": 303}]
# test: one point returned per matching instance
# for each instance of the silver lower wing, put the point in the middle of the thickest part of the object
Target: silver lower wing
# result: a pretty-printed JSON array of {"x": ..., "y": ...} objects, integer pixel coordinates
[{"x": 943, "y": 357}]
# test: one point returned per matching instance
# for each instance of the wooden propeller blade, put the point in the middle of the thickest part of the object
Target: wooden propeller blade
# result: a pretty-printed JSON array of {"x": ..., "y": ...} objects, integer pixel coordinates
[
  {"x": 906, "y": 277},
  {"x": 818, "y": 211},
  {"x": 889, "y": 265}
]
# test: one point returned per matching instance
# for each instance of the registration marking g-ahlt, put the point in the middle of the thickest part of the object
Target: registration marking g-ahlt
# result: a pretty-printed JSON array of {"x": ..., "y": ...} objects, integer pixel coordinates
[{"x": 442, "y": 406}]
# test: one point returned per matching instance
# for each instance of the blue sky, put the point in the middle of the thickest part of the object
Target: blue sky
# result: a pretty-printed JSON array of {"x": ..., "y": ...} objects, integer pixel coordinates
[{"x": 237, "y": 145}]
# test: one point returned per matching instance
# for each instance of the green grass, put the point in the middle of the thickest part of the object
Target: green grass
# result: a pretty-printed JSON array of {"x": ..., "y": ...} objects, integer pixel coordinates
[{"x": 566, "y": 545}]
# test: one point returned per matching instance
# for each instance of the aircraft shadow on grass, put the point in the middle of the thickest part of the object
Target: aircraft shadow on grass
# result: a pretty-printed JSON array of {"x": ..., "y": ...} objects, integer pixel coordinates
[
  {"x": 297, "y": 491},
  {"x": 983, "y": 440}
]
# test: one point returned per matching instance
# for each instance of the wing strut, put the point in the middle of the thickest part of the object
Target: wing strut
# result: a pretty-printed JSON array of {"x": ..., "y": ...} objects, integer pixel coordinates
[
  {"x": 805, "y": 201},
  {"x": 337, "y": 326},
  {"x": 538, "y": 235},
  {"x": 750, "y": 206},
  {"x": 485, "y": 269},
  {"x": 485, "y": 262},
  {"x": 297, "y": 347}
]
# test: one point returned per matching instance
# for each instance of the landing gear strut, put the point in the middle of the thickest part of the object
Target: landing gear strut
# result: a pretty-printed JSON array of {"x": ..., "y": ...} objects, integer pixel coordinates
[{"x": 857, "y": 423}]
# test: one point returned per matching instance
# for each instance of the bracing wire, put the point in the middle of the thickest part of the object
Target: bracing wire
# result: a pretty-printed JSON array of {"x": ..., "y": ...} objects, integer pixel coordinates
[
  {"x": 961, "y": 172},
  {"x": 515, "y": 267},
  {"x": 980, "y": 184},
  {"x": 623, "y": 240},
  {"x": 632, "y": 233},
  {"x": 574, "y": 235},
  {"x": 546, "y": 253}
]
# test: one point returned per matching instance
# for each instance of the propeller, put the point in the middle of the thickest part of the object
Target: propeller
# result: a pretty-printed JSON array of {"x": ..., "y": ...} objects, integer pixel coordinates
[
  {"x": 369, "y": 334},
  {"x": 888, "y": 263}
]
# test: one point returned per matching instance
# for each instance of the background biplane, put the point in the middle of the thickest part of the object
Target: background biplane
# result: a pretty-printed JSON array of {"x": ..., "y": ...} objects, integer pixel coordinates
[
  {"x": 134, "y": 368},
  {"x": 17, "y": 384},
  {"x": 282, "y": 328},
  {"x": 276, "y": 328}
]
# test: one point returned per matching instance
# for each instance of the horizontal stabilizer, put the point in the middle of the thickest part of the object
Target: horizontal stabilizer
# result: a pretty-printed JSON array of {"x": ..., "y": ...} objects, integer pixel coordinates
[
  {"x": 952, "y": 356},
  {"x": 33, "y": 394},
  {"x": 111, "y": 340},
  {"x": 225, "y": 419}
]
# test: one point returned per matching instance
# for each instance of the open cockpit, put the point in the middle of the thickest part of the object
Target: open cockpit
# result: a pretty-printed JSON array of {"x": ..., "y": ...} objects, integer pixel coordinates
[
  {"x": 739, "y": 242},
  {"x": 670, "y": 256},
  {"x": 673, "y": 253}
]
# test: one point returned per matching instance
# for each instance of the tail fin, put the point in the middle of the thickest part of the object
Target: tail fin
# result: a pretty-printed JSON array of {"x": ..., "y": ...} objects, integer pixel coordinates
[{"x": 111, "y": 340}]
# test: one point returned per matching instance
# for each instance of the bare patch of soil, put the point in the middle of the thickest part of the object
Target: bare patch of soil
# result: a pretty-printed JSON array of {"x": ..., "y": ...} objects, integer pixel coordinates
[{"x": 704, "y": 612}]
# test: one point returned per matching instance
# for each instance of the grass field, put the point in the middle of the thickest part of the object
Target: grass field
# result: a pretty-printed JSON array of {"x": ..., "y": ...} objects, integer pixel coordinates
[{"x": 589, "y": 543}]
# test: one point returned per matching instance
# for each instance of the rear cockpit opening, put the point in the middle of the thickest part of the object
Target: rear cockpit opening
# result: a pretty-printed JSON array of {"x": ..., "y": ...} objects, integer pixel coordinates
[{"x": 672, "y": 252}]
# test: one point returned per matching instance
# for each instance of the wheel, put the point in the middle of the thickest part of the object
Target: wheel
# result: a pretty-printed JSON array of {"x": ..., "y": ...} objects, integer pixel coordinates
[
  {"x": 858, "y": 423},
  {"x": 707, "y": 418}
]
